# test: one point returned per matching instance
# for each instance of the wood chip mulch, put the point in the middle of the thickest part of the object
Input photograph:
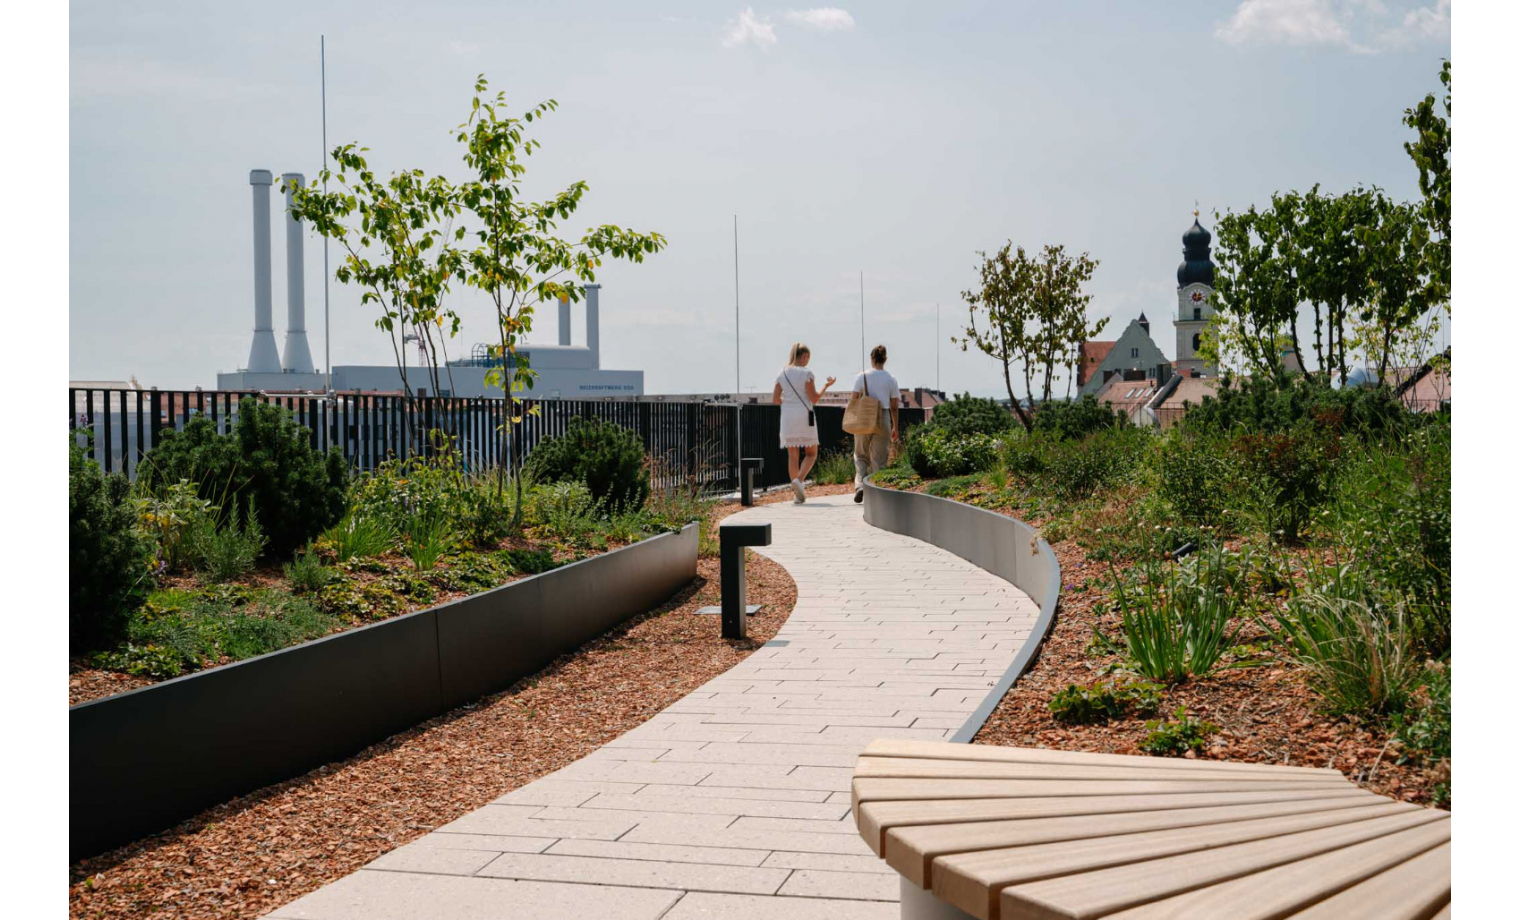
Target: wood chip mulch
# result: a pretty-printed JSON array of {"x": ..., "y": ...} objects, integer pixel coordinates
[
  {"x": 251, "y": 855},
  {"x": 1266, "y": 714}
]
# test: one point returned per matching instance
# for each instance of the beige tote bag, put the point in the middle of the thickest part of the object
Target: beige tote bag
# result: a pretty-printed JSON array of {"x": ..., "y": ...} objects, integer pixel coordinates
[{"x": 863, "y": 415}]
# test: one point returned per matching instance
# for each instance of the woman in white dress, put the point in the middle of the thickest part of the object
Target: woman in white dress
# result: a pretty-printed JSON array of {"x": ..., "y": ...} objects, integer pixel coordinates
[{"x": 796, "y": 395}]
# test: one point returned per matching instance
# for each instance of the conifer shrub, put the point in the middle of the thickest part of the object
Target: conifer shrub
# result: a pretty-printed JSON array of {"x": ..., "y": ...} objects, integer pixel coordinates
[
  {"x": 608, "y": 458},
  {"x": 1077, "y": 419},
  {"x": 967, "y": 415},
  {"x": 109, "y": 574},
  {"x": 266, "y": 462}
]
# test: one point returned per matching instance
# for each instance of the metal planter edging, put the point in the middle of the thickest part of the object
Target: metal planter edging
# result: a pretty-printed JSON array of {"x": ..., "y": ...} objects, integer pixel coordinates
[{"x": 143, "y": 760}]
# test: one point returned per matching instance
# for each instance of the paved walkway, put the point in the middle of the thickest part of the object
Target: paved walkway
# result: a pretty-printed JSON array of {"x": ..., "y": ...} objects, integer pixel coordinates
[{"x": 734, "y": 802}]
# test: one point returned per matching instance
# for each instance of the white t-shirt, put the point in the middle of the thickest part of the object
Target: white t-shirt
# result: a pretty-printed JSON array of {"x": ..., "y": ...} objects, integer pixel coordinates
[{"x": 878, "y": 384}]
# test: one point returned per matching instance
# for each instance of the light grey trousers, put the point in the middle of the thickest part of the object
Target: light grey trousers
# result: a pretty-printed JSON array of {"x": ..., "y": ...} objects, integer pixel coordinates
[{"x": 872, "y": 450}]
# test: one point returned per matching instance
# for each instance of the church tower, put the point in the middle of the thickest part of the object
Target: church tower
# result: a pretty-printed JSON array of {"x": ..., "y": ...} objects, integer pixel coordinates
[{"x": 1195, "y": 300}]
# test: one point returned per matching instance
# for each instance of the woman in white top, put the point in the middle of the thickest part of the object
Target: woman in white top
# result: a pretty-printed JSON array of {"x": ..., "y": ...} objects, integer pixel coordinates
[{"x": 796, "y": 395}]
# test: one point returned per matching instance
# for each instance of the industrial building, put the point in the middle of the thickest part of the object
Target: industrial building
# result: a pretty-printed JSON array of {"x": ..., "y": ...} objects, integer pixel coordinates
[{"x": 563, "y": 371}]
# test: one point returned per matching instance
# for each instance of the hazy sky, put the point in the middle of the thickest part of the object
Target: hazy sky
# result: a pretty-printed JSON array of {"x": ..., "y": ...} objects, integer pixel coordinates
[{"x": 891, "y": 138}]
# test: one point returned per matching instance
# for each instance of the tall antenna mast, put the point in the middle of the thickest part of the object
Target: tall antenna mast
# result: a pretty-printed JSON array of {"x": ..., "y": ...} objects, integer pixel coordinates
[
  {"x": 326, "y": 274},
  {"x": 936, "y": 345},
  {"x": 862, "y": 321},
  {"x": 738, "y": 388}
]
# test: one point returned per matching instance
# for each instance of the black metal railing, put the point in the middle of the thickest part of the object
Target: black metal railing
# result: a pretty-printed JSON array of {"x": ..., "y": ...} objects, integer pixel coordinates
[{"x": 690, "y": 444}]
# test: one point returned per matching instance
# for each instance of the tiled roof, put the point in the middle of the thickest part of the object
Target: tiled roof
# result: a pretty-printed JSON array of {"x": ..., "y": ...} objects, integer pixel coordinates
[{"x": 1089, "y": 356}]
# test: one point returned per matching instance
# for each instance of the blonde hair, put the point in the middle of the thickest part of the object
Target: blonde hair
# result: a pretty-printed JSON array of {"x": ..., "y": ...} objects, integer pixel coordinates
[{"x": 798, "y": 350}]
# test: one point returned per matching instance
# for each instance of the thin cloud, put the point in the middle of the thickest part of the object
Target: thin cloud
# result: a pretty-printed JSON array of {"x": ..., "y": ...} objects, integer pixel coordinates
[
  {"x": 749, "y": 30},
  {"x": 1359, "y": 26},
  {"x": 823, "y": 18}
]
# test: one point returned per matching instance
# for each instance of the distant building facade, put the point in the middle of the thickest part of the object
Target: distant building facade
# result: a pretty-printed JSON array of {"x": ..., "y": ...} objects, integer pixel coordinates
[{"x": 1131, "y": 373}]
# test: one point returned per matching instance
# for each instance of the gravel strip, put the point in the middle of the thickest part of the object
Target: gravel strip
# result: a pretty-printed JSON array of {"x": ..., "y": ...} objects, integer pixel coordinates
[{"x": 251, "y": 855}]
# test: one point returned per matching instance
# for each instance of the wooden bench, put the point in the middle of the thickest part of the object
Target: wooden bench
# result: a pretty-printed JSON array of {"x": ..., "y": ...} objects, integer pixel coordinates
[{"x": 1014, "y": 833}]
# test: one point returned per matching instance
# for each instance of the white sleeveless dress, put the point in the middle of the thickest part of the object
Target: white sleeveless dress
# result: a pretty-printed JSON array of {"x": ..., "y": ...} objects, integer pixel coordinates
[{"x": 795, "y": 430}]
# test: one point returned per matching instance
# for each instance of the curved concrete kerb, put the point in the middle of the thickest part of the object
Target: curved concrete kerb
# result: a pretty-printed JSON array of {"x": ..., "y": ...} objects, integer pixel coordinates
[{"x": 735, "y": 801}]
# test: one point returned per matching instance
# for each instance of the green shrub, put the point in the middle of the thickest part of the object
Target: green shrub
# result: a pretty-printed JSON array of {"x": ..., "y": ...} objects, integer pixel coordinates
[
  {"x": 360, "y": 537},
  {"x": 969, "y": 415},
  {"x": 1077, "y": 419},
  {"x": 1077, "y": 469},
  {"x": 1176, "y": 621},
  {"x": 1027, "y": 456},
  {"x": 1423, "y": 729},
  {"x": 1098, "y": 703},
  {"x": 835, "y": 468},
  {"x": 1174, "y": 739},
  {"x": 1198, "y": 476},
  {"x": 1393, "y": 512},
  {"x": 306, "y": 573},
  {"x": 226, "y": 552},
  {"x": 109, "y": 572},
  {"x": 935, "y": 453},
  {"x": 399, "y": 491},
  {"x": 531, "y": 561},
  {"x": 266, "y": 461},
  {"x": 486, "y": 512},
  {"x": 1289, "y": 476},
  {"x": 1259, "y": 404},
  {"x": 171, "y": 516},
  {"x": 608, "y": 458},
  {"x": 564, "y": 510},
  {"x": 1358, "y": 658}
]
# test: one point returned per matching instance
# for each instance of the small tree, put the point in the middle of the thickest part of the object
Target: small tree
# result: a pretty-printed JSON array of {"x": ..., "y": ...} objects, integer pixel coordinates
[
  {"x": 1033, "y": 312},
  {"x": 1400, "y": 290},
  {"x": 1431, "y": 153},
  {"x": 1332, "y": 267},
  {"x": 399, "y": 253},
  {"x": 1256, "y": 290},
  {"x": 518, "y": 261}
]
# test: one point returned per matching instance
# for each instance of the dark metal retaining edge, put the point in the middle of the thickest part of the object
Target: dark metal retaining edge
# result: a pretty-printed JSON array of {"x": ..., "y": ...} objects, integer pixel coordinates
[
  {"x": 1008, "y": 548},
  {"x": 141, "y": 761}
]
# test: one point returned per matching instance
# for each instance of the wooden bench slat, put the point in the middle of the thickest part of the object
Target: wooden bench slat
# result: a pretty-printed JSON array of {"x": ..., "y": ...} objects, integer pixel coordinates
[
  {"x": 910, "y": 768},
  {"x": 973, "y": 881},
  {"x": 911, "y": 850},
  {"x": 875, "y": 818},
  {"x": 944, "y": 750},
  {"x": 1409, "y": 891},
  {"x": 870, "y": 789},
  {"x": 1276, "y": 892},
  {"x": 1107, "y": 891}
]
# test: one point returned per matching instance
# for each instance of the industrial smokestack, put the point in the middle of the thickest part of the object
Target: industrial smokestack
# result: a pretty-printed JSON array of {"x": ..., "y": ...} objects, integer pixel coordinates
[
  {"x": 297, "y": 352},
  {"x": 263, "y": 357},
  {"x": 593, "y": 324},
  {"x": 564, "y": 320}
]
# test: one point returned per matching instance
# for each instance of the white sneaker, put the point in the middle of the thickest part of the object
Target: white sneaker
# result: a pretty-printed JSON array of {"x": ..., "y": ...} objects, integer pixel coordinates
[{"x": 800, "y": 490}]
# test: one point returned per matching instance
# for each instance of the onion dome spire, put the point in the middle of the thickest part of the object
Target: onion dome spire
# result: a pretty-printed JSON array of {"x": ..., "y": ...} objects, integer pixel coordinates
[{"x": 1196, "y": 267}]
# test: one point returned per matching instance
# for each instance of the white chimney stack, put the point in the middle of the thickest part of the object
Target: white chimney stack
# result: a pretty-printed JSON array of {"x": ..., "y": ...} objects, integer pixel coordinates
[
  {"x": 564, "y": 320},
  {"x": 297, "y": 351},
  {"x": 263, "y": 358},
  {"x": 593, "y": 324}
]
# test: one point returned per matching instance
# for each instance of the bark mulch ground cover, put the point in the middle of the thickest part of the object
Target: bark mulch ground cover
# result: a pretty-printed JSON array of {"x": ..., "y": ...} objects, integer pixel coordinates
[
  {"x": 1266, "y": 713},
  {"x": 249, "y": 856}
]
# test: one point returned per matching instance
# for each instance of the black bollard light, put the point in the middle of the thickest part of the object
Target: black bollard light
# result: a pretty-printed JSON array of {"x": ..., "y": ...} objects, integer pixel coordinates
[
  {"x": 732, "y": 539},
  {"x": 748, "y": 467}
]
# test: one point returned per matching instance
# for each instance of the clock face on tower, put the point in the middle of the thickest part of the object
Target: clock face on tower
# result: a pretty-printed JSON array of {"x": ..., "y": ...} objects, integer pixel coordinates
[{"x": 1197, "y": 297}]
